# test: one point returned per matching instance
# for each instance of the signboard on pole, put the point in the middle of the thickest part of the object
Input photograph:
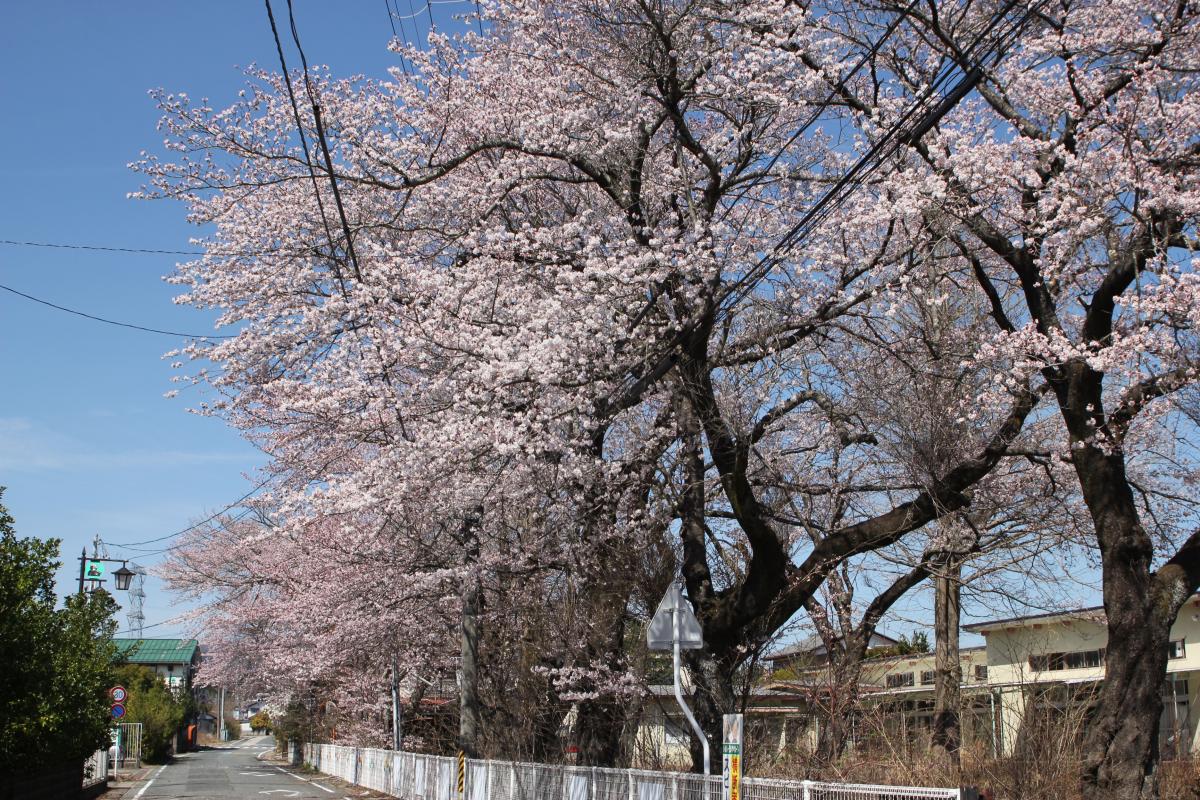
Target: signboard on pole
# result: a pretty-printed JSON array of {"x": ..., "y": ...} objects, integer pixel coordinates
[
  {"x": 732, "y": 727},
  {"x": 660, "y": 634},
  {"x": 93, "y": 570},
  {"x": 118, "y": 694},
  {"x": 118, "y": 711}
]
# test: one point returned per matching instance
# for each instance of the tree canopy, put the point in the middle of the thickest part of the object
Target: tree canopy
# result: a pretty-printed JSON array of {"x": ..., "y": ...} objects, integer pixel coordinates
[{"x": 55, "y": 663}]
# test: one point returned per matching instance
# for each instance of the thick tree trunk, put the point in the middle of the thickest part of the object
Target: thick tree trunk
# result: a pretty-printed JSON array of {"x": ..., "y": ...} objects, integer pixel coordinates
[
  {"x": 601, "y": 723},
  {"x": 1120, "y": 753},
  {"x": 946, "y": 734}
]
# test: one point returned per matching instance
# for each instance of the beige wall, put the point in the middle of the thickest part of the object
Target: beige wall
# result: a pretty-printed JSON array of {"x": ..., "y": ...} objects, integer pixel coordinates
[{"x": 1009, "y": 647}]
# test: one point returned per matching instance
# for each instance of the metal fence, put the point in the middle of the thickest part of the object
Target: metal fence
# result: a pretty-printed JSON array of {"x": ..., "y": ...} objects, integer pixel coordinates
[
  {"x": 95, "y": 769},
  {"x": 127, "y": 737},
  {"x": 415, "y": 776}
]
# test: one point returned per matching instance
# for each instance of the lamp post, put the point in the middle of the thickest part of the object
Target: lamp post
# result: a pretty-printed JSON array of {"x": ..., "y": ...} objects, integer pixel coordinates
[{"x": 92, "y": 570}]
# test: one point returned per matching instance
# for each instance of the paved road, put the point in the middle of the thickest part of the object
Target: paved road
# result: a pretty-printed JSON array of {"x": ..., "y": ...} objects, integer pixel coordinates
[{"x": 233, "y": 771}]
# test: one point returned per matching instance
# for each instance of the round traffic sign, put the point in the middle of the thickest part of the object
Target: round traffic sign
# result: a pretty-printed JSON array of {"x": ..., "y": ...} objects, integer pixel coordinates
[
  {"x": 118, "y": 694},
  {"x": 118, "y": 711}
]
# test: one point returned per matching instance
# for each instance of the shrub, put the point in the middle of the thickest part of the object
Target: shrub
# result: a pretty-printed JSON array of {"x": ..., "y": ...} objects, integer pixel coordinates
[{"x": 151, "y": 703}]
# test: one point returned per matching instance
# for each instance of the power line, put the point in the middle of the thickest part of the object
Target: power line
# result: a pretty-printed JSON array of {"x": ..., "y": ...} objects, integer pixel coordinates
[
  {"x": 287, "y": 79},
  {"x": 152, "y": 251},
  {"x": 324, "y": 142},
  {"x": 118, "y": 323},
  {"x": 206, "y": 520},
  {"x": 904, "y": 130}
]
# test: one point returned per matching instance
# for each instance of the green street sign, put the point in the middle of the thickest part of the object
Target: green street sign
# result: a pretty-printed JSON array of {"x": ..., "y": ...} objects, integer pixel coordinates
[
  {"x": 93, "y": 570},
  {"x": 731, "y": 749}
]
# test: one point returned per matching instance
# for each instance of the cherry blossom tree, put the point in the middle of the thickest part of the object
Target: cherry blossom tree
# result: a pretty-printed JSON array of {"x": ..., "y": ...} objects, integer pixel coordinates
[
  {"x": 1069, "y": 183},
  {"x": 549, "y": 296}
]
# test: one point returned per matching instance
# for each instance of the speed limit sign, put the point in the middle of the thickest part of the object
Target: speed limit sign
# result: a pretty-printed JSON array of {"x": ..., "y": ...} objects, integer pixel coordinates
[{"x": 118, "y": 694}]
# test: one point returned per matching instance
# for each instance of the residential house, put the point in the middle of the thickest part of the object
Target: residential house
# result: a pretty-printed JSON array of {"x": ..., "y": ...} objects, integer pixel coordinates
[
  {"x": 1047, "y": 666},
  {"x": 1033, "y": 673},
  {"x": 173, "y": 660}
]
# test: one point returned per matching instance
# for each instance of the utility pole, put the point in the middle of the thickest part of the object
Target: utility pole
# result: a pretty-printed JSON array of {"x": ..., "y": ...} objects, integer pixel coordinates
[
  {"x": 468, "y": 688},
  {"x": 221, "y": 716},
  {"x": 397, "y": 720}
]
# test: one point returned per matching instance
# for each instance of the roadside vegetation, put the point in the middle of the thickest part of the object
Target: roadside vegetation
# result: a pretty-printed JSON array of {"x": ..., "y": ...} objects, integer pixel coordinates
[{"x": 55, "y": 662}]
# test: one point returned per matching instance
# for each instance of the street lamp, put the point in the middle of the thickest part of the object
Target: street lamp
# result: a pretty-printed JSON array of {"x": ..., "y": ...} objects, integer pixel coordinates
[
  {"x": 92, "y": 570},
  {"x": 123, "y": 576}
]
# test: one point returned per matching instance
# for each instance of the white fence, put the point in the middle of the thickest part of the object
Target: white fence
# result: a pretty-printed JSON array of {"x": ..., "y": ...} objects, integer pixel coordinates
[
  {"x": 414, "y": 776},
  {"x": 95, "y": 769}
]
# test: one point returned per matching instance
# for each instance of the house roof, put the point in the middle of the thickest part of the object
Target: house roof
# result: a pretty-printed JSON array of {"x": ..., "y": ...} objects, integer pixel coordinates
[
  {"x": 157, "y": 651},
  {"x": 813, "y": 645},
  {"x": 1090, "y": 614}
]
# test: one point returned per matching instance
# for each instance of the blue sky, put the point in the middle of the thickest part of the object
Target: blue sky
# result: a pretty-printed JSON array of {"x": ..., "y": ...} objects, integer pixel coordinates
[{"x": 88, "y": 444}]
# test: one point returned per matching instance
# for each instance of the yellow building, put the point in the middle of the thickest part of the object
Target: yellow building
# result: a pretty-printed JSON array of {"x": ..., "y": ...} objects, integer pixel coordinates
[
  {"x": 1032, "y": 686},
  {"x": 1049, "y": 667}
]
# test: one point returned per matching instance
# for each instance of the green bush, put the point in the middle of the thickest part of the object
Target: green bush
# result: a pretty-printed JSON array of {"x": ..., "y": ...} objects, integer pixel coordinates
[
  {"x": 55, "y": 664},
  {"x": 261, "y": 721},
  {"x": 233, "y": 728},
  {"x": 151, "y": 703}
]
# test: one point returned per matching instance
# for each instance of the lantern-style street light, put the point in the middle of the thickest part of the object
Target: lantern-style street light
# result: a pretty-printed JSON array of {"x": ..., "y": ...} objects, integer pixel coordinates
[
  {"x": 123, "y": 576},
  {"x": 93, "y": 569}
]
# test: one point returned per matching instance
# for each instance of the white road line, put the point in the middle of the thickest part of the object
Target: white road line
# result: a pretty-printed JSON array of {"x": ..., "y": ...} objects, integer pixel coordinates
[
  {"x": 306, "y": 780},
  {"x": 142, "y": 791}
]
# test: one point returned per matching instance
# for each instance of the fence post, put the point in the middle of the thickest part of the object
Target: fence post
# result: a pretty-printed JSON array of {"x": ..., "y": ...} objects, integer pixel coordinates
[
  {"x": 674, "y": 787},
  {"x": 807, "y": 791},
  {"x": 629, "y": 772}
]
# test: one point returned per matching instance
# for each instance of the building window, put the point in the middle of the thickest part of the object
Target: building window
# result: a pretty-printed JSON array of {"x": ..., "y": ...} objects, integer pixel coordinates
[
  {"x": 981, "y": 673},
  {"x": 926, "y": 677},
  {"x": 1176, "y": 649},
  {"x": 899, "y": 680},
  {"x": 1079, "y": 659}
]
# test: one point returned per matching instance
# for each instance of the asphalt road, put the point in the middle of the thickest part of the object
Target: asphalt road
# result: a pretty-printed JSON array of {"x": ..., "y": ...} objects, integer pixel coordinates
[{"x": 233, "y": 771}]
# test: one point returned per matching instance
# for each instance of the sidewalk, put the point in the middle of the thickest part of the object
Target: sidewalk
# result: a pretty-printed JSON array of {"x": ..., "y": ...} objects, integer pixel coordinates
[{"x": 128, "y": 780}]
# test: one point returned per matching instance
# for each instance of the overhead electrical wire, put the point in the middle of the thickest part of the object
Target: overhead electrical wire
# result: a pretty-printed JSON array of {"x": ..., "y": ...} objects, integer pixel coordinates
[
  {"x": 908, "y": 128},
  {"x": 115, "y": 322},
  {"x": 130, "y": 545},
  {"x": 152, "y": 251},
  {"x": 287, "y": 78},
  {"x": 322, "y": 140}
]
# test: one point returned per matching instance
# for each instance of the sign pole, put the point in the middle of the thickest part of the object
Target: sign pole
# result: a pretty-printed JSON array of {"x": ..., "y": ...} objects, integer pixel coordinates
[{"x": 687, "y": 712}]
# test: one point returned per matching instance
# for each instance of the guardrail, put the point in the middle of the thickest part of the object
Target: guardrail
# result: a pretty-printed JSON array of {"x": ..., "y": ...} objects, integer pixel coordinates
[{"x": 416, "y": 776}]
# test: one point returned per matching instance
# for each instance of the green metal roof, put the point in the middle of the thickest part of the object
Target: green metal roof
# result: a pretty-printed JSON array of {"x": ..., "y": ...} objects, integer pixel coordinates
[{"x": 158, "y": 651}]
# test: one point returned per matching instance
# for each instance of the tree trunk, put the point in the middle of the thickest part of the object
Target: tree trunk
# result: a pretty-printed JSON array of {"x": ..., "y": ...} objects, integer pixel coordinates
[
  {"x": 600, "y": 724},
  {"x": 946, "y": 734},
  {"x": 1120, "y": 752}
]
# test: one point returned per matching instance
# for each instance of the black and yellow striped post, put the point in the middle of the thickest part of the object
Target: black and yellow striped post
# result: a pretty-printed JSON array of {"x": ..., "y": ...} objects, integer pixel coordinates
[{"x": 462, "y": 773}]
